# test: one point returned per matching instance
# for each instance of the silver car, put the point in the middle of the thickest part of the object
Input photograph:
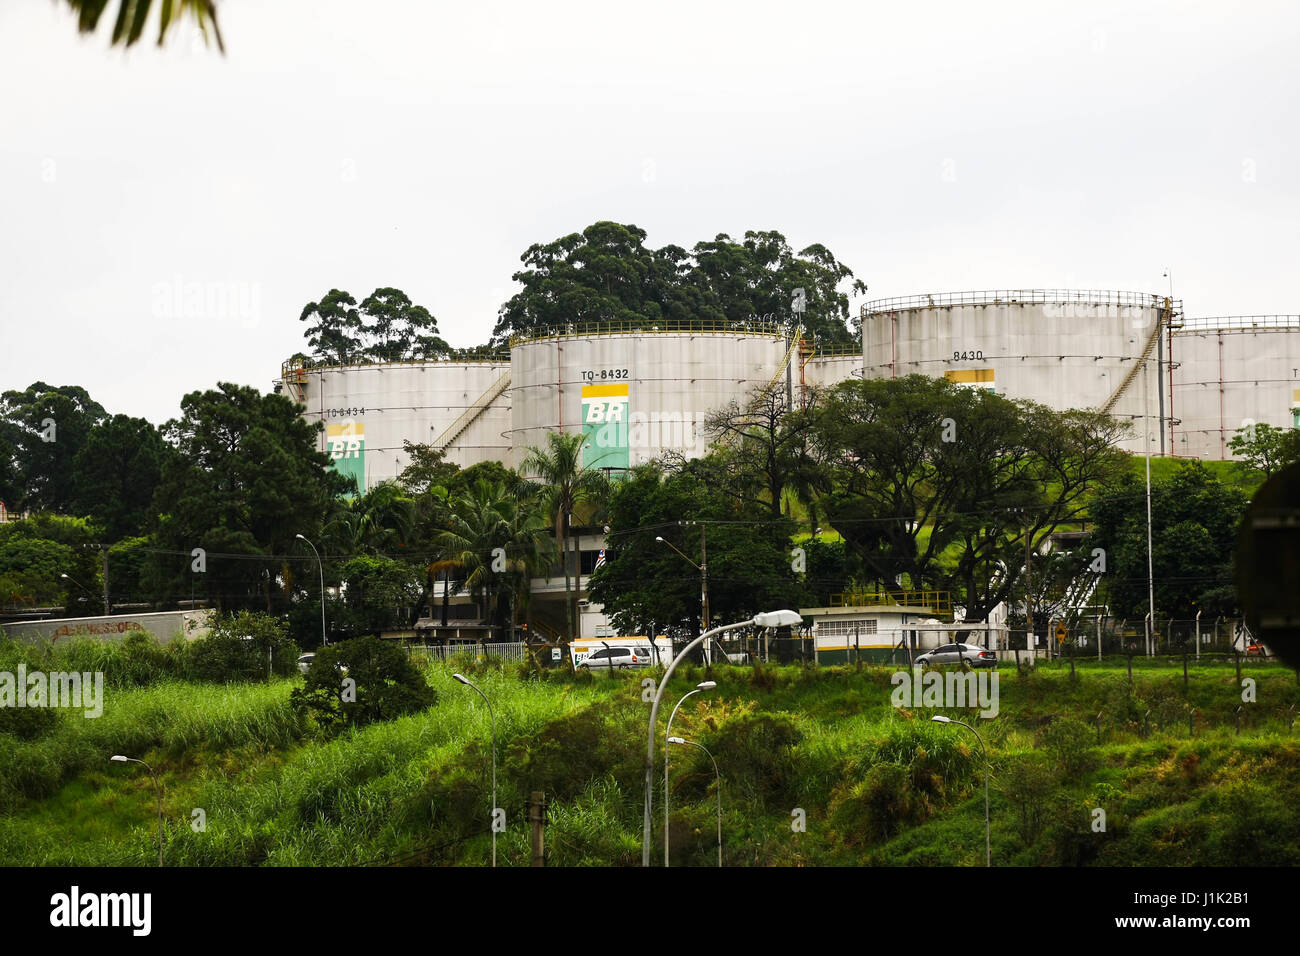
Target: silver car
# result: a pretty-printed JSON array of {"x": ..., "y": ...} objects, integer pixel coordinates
[{"x": 959, "y": 654}]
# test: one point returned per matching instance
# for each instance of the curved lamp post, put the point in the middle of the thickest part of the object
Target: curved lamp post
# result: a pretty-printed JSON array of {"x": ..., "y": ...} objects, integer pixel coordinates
[
  {"x": 939, "y": 719},
  {"x": 706, "y": 685},
  {"x": 320, "y": 565},
  {"x": 718, "y": 775},
  {"x": 765, "y": 619},
  {"x": 464, "y": 680},
  {"x": 118, "y": 758},
  {"x": 69, "y": 577}
]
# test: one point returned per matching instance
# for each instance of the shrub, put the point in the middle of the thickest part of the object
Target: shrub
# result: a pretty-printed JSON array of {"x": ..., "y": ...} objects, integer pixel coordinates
[
  {"x": 876, "y": 807},
  {"x": 1069, "y": 742},
  {"x": 754, "y": 753},
  {"x": 1027, "y": 782},
  {"x": 359, "y": 682},
  {"x": 238, "y": 648},
  {"x": 28, "y": 723}
]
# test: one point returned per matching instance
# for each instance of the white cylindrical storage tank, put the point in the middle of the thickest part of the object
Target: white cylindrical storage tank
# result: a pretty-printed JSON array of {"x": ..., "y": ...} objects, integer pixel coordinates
[
  {"x": 828, "y": 367},
  {"x": 1230, "y": 372},
  {"x": 370, "y": 409},
  {"x": 637, "y": 393},
  {"x": 1061, "y": 348}
]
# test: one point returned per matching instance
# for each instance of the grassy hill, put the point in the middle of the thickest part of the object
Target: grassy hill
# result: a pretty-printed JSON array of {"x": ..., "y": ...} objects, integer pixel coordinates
[{"x": 876, "y": 784}]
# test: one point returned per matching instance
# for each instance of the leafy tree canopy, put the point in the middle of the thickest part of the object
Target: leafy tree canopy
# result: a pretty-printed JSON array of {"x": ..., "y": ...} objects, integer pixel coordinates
[
  {"x": 1194, "y": 522},
  {"x": 386, "y": 327},
  {"x": 937, "y": 485},
  {"x": 606, "y": 274},
  {"x": 644, "y": 583},
  {"x": 1266, "y": 448},
  {"x": 42, "y": 429},
  {"x": 245, "y": 480},
  {"x": 117, "y": 471}
]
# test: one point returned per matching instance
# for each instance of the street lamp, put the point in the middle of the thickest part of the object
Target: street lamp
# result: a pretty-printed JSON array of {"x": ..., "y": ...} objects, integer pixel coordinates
[
  {"x": 320, "y": 565},
  {"x": 782, "y": 618},
  {"x": 464, "y": 680},
  {"x": 940, "y": 719},
  {"x": 718, "y": 775},
  {"x": 703, "y": 568},
  {"x": 706, "y": 685},
  {"x": 118, "y": 758},
  {"x": 69, "y": 577}
]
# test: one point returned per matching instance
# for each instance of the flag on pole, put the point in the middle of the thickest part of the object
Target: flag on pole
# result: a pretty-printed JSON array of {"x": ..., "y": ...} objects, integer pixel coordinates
[{"x": 600, "y": 559}]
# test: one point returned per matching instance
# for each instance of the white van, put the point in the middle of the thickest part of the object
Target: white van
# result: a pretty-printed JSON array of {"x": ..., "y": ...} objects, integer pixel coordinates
[{"x": 661, "y": 648}]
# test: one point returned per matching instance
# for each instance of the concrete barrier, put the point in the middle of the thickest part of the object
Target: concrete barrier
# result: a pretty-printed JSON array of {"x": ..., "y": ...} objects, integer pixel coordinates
[{"x": 163, "y": 626}]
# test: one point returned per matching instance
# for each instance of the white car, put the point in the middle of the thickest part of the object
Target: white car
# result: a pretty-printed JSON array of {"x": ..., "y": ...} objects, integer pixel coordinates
[{"x": 620, "y": 657}]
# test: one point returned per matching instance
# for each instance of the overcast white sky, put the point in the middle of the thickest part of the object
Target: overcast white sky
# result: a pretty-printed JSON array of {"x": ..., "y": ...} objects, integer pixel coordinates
[{"x": 339, "y": 143}]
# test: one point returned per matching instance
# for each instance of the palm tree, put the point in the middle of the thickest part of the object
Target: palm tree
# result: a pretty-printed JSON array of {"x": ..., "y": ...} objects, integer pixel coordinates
[
  {"x": 566, "y": 484},
  {"x": 381, "y": 521},
  {"x": 497, "y": 540},
  {"x": 132, "y": 15}
]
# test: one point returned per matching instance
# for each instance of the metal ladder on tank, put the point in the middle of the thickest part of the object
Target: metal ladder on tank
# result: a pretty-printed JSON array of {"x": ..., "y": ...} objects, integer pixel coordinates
[
  {"x": 1167, "y": 315},
  {"x": 456, "y": 428}
]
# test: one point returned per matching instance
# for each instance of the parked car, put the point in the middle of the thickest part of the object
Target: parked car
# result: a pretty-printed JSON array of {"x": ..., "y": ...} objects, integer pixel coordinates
[
  {"x": 619, "y": 657},
  {"x": 970, "y": 654}
]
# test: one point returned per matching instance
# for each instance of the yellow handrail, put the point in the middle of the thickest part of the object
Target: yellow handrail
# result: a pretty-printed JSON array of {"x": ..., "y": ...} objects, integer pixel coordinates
[
  {"x": 652, "y": 327},
  {"x": 936, "y": 600}
]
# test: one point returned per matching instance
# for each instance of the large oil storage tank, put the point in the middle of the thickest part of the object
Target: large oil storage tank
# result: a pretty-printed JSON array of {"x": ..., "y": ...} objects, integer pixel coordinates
[
  {"x": 1062, "y": 348},
  {"x": 639, "y": 392},
  {"x": 460, "y": 407},
  {"x": 824, "y": 367},
  {"x": 1230, "y": 372}
]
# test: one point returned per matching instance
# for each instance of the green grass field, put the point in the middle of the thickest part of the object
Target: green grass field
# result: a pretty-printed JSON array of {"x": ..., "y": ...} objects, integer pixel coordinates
[{"x": 872, "y": 783}]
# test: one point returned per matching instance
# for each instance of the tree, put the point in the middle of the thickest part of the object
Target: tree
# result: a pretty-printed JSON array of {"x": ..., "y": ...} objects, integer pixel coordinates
[
  {"x": 376, "y": 589},
  {"x": 133, "y": 15},
  {"x": 760, "y": 275},
  {"x": 117, "y": 472},
  {"x": 499, "y": 542},
  {"x": 399, "y": 329},
  {"x": 1266, "y": 448},
  {"x": 386, "y": 327},
  {"x": 606, "y": 274},
  {"x": 427, "y": 468},
  {"x": 567, "y": 484},
  {"x": 37, "y": 552},
  {"x": 941, "y": 484},
  {"x": 336, "y": 336},
  {"x": 645, "y": 584},
  {"x": 764, "y": 446},
  {"x": 246, "y": 479},
  {"x": 603, "y": 274},
  {"x": 382, "y": 520},
  {"x": 1194, "y": 523},
  {"x": 47, "y": 427},
  {"x": 361, "y": 681},
  {"x": 239, "y": 647}
]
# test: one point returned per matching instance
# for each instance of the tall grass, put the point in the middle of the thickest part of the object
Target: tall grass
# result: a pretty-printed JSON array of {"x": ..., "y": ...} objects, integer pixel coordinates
[{"x": 876, "y": 784}]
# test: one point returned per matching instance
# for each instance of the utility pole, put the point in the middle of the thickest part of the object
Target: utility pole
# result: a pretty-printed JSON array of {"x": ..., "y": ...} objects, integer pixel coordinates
[
  {"x": 103, "y": 558},
  {"x": 1029, "y": 594},
  {"x": 1151, "y": 581},
  {"x": 704, "y": 578}
]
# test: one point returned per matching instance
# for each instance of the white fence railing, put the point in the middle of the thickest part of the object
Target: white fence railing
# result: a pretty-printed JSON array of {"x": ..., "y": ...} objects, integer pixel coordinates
[{"x": 505, "y": 652}]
